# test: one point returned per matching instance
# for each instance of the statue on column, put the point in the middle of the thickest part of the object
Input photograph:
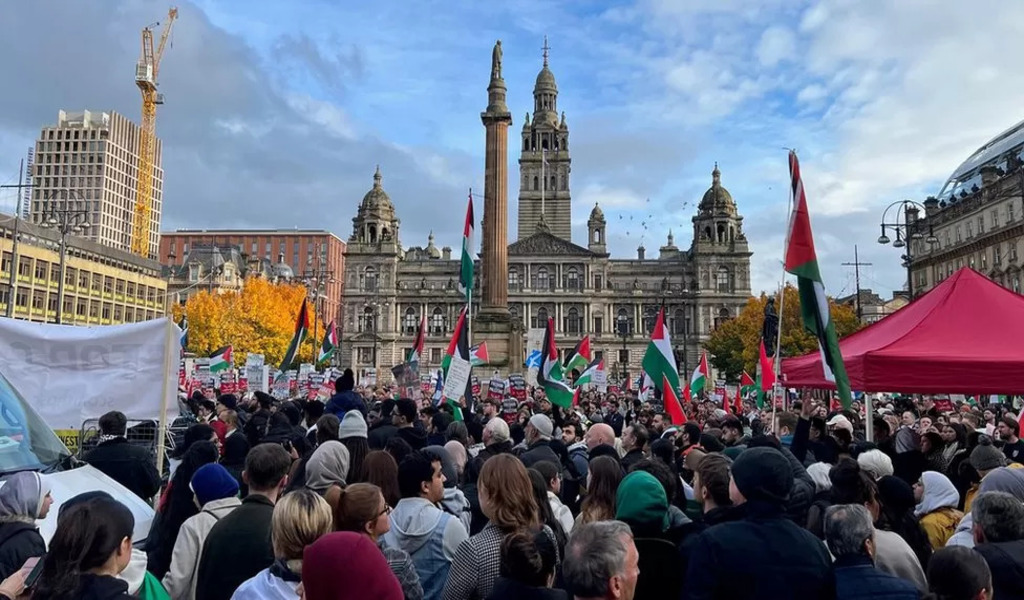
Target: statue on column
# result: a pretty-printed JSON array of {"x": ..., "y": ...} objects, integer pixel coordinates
[
  {"x": 770, "y": 328},
  {"x": 496, "y": 61}
]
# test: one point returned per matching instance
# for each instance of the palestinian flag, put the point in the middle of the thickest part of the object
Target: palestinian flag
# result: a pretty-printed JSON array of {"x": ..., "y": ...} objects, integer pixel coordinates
[
  {"x": 646, "y": 385},
  {"x": 301, "y": 331},
  {"x": 587, "y": 376},
  {"x": 466, "y": 270},
  {"x": 745, "y": 387},
  {"x": 458, "y": 350},
  {"x": 183, "y": 325},
  {"x": 699, "y": 378},
  {"x": 551, "y": 375},
  {"x": 802, "y": 261},
  {"x": 417, "y": 347},
  {"x": 580, "y": 356},
  {"x": 671, "y": 400},
  {"x": 659, "y": 362},
  {"x": 329, "y": 345},
  {"x": 221, "y": 360},
  {"x": 478, "y": 355}
]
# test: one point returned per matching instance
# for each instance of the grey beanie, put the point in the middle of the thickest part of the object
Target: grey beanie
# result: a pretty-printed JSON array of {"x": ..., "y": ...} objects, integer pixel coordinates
[
  {"x": 985, "y": 456},
  {"x": 352, "y": 425}
]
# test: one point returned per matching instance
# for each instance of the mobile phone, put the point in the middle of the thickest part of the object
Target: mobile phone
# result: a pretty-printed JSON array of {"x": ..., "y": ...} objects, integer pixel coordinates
[{"x": 35, "y": 567}]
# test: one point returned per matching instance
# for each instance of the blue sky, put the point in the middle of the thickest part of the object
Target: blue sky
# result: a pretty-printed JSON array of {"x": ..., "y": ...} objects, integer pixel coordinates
[{"x": 278, "y": 112}]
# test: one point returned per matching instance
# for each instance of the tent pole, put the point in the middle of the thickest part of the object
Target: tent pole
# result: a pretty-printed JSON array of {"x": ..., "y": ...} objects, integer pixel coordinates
[{"x": 869, "y": 418}]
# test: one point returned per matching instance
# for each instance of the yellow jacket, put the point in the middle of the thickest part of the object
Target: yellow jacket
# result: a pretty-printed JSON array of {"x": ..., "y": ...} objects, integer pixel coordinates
[{"x": 940, "y": 525}]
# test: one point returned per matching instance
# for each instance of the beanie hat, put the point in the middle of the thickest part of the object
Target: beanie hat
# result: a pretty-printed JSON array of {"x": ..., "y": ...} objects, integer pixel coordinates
[
  {"x": 213, "y": 482},
  {"x": 641, "y": 500},
  {"x": 345, "y": 565},
  {"x": 543, "y": 425},
  {"x": 985, "y": 456},
  {"x": 763, "y": 474},
  {"x": 352, "y": 425},
  {"x": 229, "y": 401},
  {"x": 346, "y": 382}
]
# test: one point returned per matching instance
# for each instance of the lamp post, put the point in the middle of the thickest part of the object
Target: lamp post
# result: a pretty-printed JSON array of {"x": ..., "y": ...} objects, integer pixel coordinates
[
  {"x": 623, "y": 331},
  {"x": 316, "y": 279},
  {"x": 67, "y": 217},
  {"x": 905, "y": 233}
]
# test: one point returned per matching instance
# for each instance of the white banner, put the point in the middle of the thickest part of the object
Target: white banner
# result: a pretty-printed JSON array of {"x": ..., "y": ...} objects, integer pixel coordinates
[{"x": 70, "y": 374}]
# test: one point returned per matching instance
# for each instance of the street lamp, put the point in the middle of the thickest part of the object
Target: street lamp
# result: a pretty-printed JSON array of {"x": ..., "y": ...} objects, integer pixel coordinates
[
  {"x": 67, "y": 216},
  {"x": 373, "y": 309},
  {"x": 906, "y": 232},
  {"x": 316, "y": 279},
  {"x": 623, "y": 332}
]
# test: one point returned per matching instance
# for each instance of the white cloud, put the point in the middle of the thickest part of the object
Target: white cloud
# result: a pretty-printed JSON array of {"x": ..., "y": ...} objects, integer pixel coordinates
[
  {"x": 777, "y": 44},
  {"x": 812, "y": 94}
]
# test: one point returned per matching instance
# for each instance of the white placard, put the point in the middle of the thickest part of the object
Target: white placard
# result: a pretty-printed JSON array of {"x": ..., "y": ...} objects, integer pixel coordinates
[{"x": 458, "y": 377}]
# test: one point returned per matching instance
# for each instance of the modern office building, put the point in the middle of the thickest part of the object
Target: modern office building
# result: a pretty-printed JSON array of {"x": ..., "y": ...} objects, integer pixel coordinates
[{"x": 92, "y": 157}]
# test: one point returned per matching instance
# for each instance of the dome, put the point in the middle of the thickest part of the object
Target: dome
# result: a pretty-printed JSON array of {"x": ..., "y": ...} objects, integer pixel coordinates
[
  {"x": 596, "y": 214},
  {"x": 377, "y": 199},
  {"x": 281, "y": 270},
  {"x": 717, "y": 198},
  {"x": 545, "y": 80},
  {"x": 431, "y": 249}
]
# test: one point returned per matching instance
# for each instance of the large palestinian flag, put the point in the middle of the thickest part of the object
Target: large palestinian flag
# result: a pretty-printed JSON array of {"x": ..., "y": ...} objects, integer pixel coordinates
[
  {"x": 221, "y": 359},
  {"x": 580, "y": 356},
  {"x": 587, "y": 376},
  {"x": 802, "y": 261},
  {"x": 301, "y": 331},
  {"x": 551, "y": 375},
  {"x": 329, "y": 345},
  {"x": 466, "y": 267},
  {"x": 660, "y": 365},
  {"x": 458, "y": 350}
]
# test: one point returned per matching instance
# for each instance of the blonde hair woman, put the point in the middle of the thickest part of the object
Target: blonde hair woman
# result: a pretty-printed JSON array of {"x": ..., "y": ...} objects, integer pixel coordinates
[
  {"x": 300, "y": 518},
  {"x": 362, "y": 508}
]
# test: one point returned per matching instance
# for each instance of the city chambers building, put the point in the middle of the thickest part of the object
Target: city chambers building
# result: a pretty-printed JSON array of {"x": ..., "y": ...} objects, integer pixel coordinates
[{"x": 390, "y": 286}]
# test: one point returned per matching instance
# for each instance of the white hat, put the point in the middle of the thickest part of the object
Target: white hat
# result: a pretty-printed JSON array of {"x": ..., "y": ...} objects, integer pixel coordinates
[{"x": 840, "y": 422}]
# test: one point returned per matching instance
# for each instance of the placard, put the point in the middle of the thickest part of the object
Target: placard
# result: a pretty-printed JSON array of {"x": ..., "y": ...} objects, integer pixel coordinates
[
  {"x": 517, "y": 386},
  {"x": 496, "y": 389},
  {"x": 458, "y": 377},
  {"x": 943, "y": 404},
  {"x": 475, "y": 386}
]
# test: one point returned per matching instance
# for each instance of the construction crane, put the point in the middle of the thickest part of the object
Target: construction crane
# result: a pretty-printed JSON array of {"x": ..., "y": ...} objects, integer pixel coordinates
[{"x": 146, "y": 72}]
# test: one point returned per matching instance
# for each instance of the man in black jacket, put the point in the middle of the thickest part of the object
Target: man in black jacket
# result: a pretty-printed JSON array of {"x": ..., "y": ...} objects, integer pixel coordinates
[
  {"x": 999, "y": 538},
  {"x": 539, "y": 430},
  {"x": 634, "y": 438},
  {"x": 133, "y": 467},
  {"x": 379, "y": 420},
  {"x": 239, "y": 545},
  {"x": 257, "y": 425}
]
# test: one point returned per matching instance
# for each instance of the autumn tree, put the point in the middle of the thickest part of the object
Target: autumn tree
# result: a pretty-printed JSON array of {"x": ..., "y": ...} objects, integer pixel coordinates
[
  {"x": 733, "y": 346},
  {"x": 259, "y": 319}
]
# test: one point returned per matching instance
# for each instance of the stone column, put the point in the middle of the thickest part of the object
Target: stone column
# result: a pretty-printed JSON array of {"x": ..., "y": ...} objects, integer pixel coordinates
[{"x": 496, "y": 120}]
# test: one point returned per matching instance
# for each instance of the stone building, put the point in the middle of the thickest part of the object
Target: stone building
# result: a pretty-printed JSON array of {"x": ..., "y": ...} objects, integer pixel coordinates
[
  {"x": 872, "y": 307},
  {"x": 388, "y": 286},
  {"x": 977, "y": 218}
]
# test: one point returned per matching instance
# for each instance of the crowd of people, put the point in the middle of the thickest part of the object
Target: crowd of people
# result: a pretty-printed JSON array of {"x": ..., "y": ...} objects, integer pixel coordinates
[{"x": 374, "y": 496}]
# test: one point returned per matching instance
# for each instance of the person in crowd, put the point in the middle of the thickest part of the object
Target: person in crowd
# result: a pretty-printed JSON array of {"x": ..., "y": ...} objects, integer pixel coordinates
[
  {"x": 599, "y": 434},
  {"x": 679, "y": 524},
  {"x": 326, "y": 471},
  {"x": 24, "y": 499},
  {"x": 985, "y": 458},
  {"x": 999, "y": 538},
  {"x": 552, "y": 477},
  {"x": 802, "y": 493},
  {"x": 403, "y": 417},
  {"x": 362, "y": 509},
  {"x": 850, "y": 536},
  {"x": 428, "y": 534},
  {"x": 507, "y": 499},
  {"x": 934, "y": 450},
  {"x": 327, "y": 429},
  {"x": 634, "y": 439},
  {"x": 236, "y": 448},
  {"x": 1009, "y": 432},
  {"x": 256, "y": 428},
  {"x": 958, "y": 573},
  {"x": 876, "y": 463},
  {"x": 937, "y": 500},
  {"x": 438, "y": 428},
  {"x": 134, "y": 467},
  {"x": 711, "y": 480},
  {"x": 539, "y": 430},
  {"x": 457, "y": 451},
  {"x": 1002, "y": 479},
  {"x": 642, "y": 504},
  {"x": 379, "y": 420},
  {"x": 601, "y": 562},
  {"x": 239, "y": 545},
  {"x": 896, "y": 514},
  {"x": 344, "y": 398},
  {"x": 207, "y": 413},
  {"x": 794, "y": 565},
  {"x": 352, "y": 433},
  {"x": 496, "y": 441},
  {"x": 178, "y": 507},
  {"x": 216, "y": 494},
  {"x": 90, "y": 548},
  {"x": 347, "y": 566},
  {"x": 300, "y": 519},
  {"x": 475, "y": 431},
  {"x": 732, "y": 433},
  {"x": 454, "y": 502},
  {"x": 382, "y": 471},
  {"x": 576, "y": 445},
  {"x": 603, "y": 477},
  {"x": 545, "y": 516},
  {"x": 851, "y": 485},
  {"x": 398, "y": 449},
  {"x": 527, "y": 572},
  {"x": 457, "y": 431},
  {"x": 822, "y": 498}
]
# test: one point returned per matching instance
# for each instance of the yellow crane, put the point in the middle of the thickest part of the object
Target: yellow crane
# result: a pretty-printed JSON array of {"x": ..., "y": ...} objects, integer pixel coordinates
[{"x": 146, "y": 72}]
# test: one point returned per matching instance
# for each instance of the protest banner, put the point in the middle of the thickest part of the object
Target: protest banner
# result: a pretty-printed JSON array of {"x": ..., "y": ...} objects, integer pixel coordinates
[
  {"x": 517, "y": 386},
  {"x": 475, "y": 386},
  {"x": 496, "y": 389},
  {"x": 458, "y": 378},
  {"x": 944, "y": 404},
  {"x": 534, "y": 342}
]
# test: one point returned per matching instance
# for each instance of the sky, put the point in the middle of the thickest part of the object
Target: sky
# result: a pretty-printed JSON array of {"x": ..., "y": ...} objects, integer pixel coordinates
[{"x": 277, "y": 113}]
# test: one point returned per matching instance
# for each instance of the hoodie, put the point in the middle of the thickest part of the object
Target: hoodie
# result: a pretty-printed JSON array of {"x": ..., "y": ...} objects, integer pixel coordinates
[
  {"x": 413, "y": 521},
  {"x": 457, "y": 505},
  {"x": 274, "y": 583},
  {"x": 1003, "y": 479},
  {"x": 937, "y": 510}
]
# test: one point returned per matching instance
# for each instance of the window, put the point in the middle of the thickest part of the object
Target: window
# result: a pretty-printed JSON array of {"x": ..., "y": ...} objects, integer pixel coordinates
[
  {"x": 437, "y": 321},
  {"x": 41, "y": 269},
  {"x": 541, "y": 279},
  {"x": 981, "y": 225},
  {"x": 193, "y": 273},
  {"x": 598, "y": 355},
  {"x": 624, "y": 356},
  {"x": 369, "y": 320},
  {"x": 997, "y": 254},
  {"x": 1010, "y": 214},
  {"x": 513, "y": 279},
  {"x": 958, "y": 239},
  {"x": 722, "y": 280},
  {"x": 598, "y": 325},
  {"x": 409, "y": 321},
  {"x": 1016, "y": 283},
  {"x": 572, "y": 279},
  {"x": 623, "y": 324},
  {"x": 573, "y": 321},
  {"x": 723, "y": 316},
  {"x": 678, "y": 322},
  {"x": 51, "y": 303},
  {"x": 970, "y": 230},
  {"x": 55, "y": 272},
  {"x": 598, "y": 283},
  {"x": 984, "y": 261},
  {"x": 435, "y": 356},
  {"x": 541, "y": 320},
  {"x": 370, "y": 279},
  {"x": 1011, "y": 251},
  {"x": 365, "y": 356},
  {"x": 994, "y": 215}
]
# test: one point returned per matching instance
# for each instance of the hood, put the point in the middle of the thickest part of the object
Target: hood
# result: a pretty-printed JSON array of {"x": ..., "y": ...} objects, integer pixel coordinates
[
  {"x": 641, "y": 500},
  {"x": 413, "y": 433},
  {"x": 222, "y": 507},
  {"x": 455, "y": 502},
  {"x": 327, "y": 466},
  {"x": 135, "y": 573},
  {"x": 412, "y": 522},
  {"x": 676, "y": 517},
  {"x": 1004, "y": 479},
  {"x": 963, "y": 536},
  {"x": 101, "y": 587},
  {"x": 23, "y": 494},
  {"x": 939, "y": 492},
  {"x": 577, "y": 448},
  {"x": 266, "y": 586}
]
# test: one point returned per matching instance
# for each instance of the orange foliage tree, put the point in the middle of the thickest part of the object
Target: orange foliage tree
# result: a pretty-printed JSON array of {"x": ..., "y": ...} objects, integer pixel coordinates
[
  {"x": 259, "y": 319},
  {"x": 733, "y": 346}
]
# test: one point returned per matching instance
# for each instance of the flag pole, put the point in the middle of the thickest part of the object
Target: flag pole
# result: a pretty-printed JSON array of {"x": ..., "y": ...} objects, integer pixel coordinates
[
  {"x": 777, "y": 365},
  {"x": 469, "y": 292}
]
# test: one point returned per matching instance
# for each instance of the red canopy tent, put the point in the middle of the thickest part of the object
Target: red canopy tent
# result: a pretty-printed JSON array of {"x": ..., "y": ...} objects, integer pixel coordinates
[{"x": 965, "y": 336}]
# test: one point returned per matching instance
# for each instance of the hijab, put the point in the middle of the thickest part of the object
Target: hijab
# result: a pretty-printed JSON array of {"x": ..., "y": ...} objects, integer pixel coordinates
[
  {"x": 939, "y": 492},
  {"x": 21, "y": 497},
  {"x": 1004, "y": 479},
  {"x": 327, "y": 466}
]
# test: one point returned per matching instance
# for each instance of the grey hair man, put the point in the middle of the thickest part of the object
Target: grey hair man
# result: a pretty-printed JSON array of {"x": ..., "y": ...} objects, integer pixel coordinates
[
  {"x": 850, "y": 535},
  {"x": 998, "y": 529},
  {"x": 601, "y": 562}
]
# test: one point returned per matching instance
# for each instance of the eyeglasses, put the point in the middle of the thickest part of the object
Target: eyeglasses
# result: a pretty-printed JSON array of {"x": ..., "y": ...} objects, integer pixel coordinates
[{"x": 386, "y": 511}]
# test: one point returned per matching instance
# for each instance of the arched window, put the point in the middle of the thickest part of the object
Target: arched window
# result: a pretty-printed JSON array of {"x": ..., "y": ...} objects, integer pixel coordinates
[
  {"x": 678, "y": 322},
  {"x": 573, "y": 322},
  {"x": 722, "y": 316},
  {"x": 541, "y": 320},
  {"x": 513, "y": 279},
  {"x": 722, "y": 280},
  {"x": 370, "y": 279},
  {"x": 437, "y": 321},
  {"x": 597, "y": 236},
  {"x": 623, "y": 324},
  {"x": 514, "y": 312},
  {"x": 542, "y": 281},
  {"x": 553, "y": 184},
  {"x": 536, "y": 184},
  {"x": 369, "y": 321},
  {"x": 572, "y": 279},
  {"x": 409, "y": 322}
]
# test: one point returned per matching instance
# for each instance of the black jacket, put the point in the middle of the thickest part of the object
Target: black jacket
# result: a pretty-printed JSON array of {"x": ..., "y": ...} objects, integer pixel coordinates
[
  {"x": 256, "y": 428},
  {"x": 416, "y": 437},
  {"x": 18, "y": 543},
  {"x": 858, "y": 579},
  {"x": 792, "y": 564},
  {"x": 237, "y": 548},
  {"x": 102, "y": 587},
  {"x": 131, "y": 466},
  {"x": 631, "y": 458},
  {"x": 379, "y": 435},
  {"x": 538, "y": 451},
  {"x": 508, "y": 589},
  {"x": 342, "y": 402},
  {"x": 802, "y": 495},
  {"x": 1006, "y": 561}
]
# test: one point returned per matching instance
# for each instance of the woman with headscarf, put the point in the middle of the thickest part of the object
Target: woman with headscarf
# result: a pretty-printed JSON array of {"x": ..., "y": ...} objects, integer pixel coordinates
[
  {"x": 24, "y": 498},
  {"x": 1001, "y": 479},
  {"x": 326, "y": 471},
  {"x": 896, "y": 514},
  {"x": 822, "y": 498},
  {"x": 937, "y": 500}
]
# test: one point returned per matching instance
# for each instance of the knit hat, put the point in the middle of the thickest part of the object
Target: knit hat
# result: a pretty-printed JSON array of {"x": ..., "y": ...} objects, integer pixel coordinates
[
  {"x": 213, "y": 482},
  {"x": 229, "y": 401},
  {"x": 763, "y": 474},
  {"x": 543, "y": 425},
  {"x": 346, "y": 382},
  {"x": 985, "y": 456},
  {"x": 641, "y": 501},
  {"x": 347, "y": 566},
  {"x": 352, "y": 425}
]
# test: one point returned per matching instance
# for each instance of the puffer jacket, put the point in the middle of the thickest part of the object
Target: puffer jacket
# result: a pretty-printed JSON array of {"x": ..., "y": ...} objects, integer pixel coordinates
[
  {"x": 180, "y": 580},
  {"x": 940, "y": 525}
]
